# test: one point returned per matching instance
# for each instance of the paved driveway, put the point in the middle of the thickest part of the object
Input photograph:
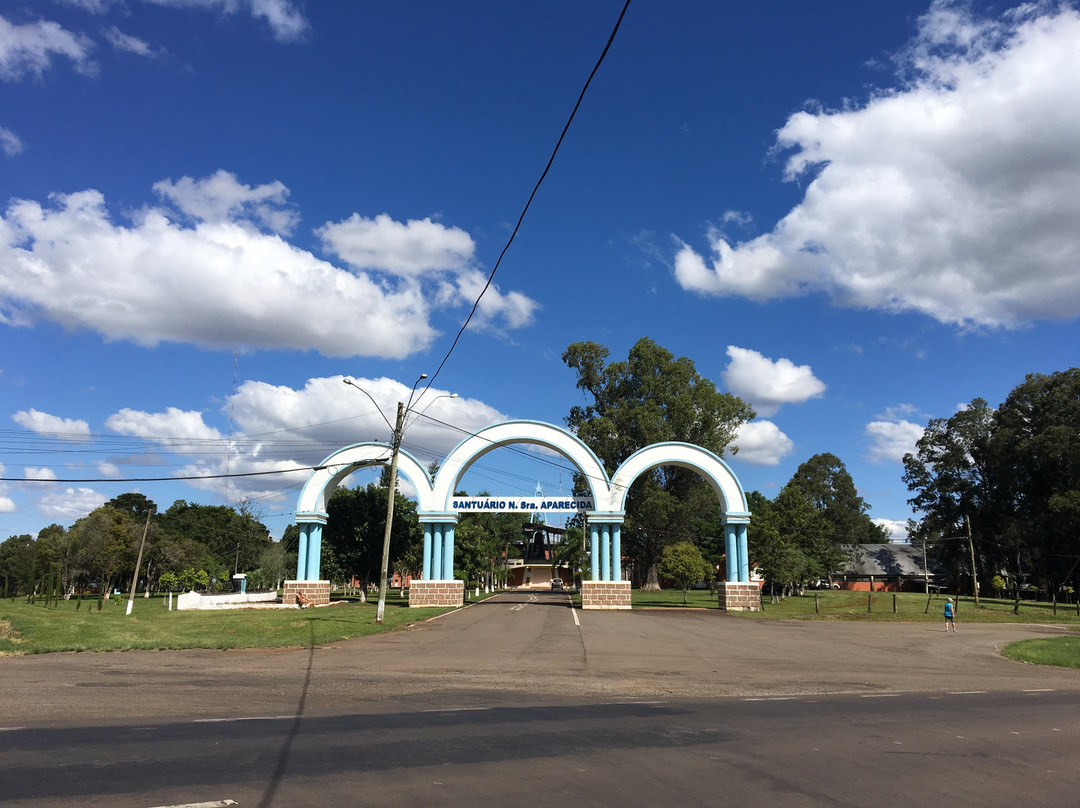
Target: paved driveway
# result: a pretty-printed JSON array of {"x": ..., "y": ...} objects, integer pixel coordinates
[{"x": 532, "y": 644}]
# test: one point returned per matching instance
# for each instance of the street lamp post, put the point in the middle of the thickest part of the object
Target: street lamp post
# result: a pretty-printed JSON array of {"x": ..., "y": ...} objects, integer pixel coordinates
[{"x": 395, "y": 446}]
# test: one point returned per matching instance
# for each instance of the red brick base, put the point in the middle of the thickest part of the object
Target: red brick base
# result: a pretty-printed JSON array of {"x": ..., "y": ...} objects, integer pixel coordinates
[
  {"x": 740, "y": 597},
  {"x": 317, "y": 592},
  {"x": 437, "y": 593},
  {"x": 605, "y": 594}
]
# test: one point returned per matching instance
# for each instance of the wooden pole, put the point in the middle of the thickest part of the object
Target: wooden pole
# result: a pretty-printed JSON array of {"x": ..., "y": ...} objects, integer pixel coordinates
[{"x": 138, "y": 562}]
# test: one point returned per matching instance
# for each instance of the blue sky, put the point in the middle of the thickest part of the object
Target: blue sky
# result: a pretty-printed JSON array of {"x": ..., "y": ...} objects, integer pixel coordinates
[{"x": 857, "y": 216}]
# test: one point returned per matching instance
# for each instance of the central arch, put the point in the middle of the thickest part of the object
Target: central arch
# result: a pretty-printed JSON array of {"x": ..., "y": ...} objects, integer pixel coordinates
[{"x": 434, "y": 499}]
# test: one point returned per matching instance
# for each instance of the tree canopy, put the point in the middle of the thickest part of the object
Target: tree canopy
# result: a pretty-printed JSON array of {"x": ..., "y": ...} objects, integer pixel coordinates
[
  {"x": 650, "y": 398},
  {"x": 1012, "y": 477}
]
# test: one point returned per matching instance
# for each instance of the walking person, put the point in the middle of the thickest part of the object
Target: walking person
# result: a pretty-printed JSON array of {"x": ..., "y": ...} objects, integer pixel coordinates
[{"x": 950, "y": 621}]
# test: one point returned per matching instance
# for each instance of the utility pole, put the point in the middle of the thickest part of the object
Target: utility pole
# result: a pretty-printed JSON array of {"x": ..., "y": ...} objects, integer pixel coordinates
[
  {"x": 138, "y": 562},
  {"x": 971, "y": 548},
  {"x": 390, "y": 496}
]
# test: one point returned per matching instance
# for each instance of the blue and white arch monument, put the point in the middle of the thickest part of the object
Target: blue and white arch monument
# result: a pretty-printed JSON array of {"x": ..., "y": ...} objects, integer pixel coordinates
[{"x": 605, "y": 589}]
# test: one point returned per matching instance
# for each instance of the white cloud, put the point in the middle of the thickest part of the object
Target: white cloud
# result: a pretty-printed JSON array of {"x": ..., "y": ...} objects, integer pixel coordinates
[
  {"x": 891, "y": 439},
  {"x": 414, "y": 248},
  {"x": 279, "y": 427},
  {"x": 127, "y": 43},
  {"x": 761, "y": 443},
  {"x": 954, "y": 195},
  {"x": 172, "y": 425},
  {"x": 108, "y": 469},
  {"x": 284, "y": 18},
  {"x": 768, "y": 384},
  {"x": 897, "y": 528},
  {"x": 219, "y": 283},
  {"x": 35, "y": 473},
  {"x": 44, "y": 424},
  {"x": 70, "y": 504},
  {"x": 222, "y": 198},
  {"x": 7, "y": 505},
  {"x": 92, "y": 6},
  {"x": 30, "y": 48},
  {"x": 10, "y": 144}
]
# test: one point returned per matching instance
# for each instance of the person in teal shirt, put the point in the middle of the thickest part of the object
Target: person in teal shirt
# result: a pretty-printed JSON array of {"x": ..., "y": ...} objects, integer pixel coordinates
[{"x": 950, "y": 621}]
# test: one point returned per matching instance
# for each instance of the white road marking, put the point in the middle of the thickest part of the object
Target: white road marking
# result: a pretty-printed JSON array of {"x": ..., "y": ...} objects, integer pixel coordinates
[
  {"x": 244, "y": 718},
  {"x": 215, "y": 804},
  {"x": 457, "y": 710},
  {"x": 573, "y": 611}
]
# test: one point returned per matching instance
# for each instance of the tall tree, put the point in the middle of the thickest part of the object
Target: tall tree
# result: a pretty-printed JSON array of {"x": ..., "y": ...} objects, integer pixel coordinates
[
  {"x": 951, "y": 477},
  {"x": 825, "y": 482},
  {"x": 355, "y": 525},
  {"x": 652, "y": 397},
  {"x": 1035, "y": 456}
]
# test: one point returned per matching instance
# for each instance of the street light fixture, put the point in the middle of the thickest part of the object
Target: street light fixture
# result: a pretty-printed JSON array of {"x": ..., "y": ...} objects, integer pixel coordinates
[{"x": 402, "y": 410}]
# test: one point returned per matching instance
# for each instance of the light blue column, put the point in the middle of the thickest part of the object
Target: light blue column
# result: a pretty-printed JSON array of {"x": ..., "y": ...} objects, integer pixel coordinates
[
  {"x": 436, "y": 551},
  {"x": 732, "y": 559},
  {"x": 427, "y": 551},
  {"x": 616, "y": 552},
  {"x": 448, "y": 552},
  {"x": 605, "y": 552},
  {"x": 744, "y": 556},
  {"x": 594, "y": 551},
  {"x": 314, "y": 552},
  {"x": 301, "y": 551}
]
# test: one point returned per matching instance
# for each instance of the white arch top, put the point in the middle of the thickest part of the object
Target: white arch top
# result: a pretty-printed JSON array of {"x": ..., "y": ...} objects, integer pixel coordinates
[
  {"x": 339, "y": 465},
  {"x": 513, "y": 432},
  {"x": 685, "y": 455},
  {"x": 609, "y": 495}
]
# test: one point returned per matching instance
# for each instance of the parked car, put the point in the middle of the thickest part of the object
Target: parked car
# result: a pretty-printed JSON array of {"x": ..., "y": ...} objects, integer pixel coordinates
[{"x": 556, "y": 583}]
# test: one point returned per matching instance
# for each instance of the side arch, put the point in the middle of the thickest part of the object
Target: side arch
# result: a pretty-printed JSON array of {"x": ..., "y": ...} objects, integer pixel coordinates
[
  {"x": 339, "y": 465},
  {"x": 311, "y": 512},
  {"x": 729, "y": 491},
  {"x": 716, "y": 472}
]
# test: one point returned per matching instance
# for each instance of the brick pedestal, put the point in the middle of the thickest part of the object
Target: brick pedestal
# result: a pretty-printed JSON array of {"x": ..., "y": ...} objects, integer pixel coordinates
[
  {"x": 437, "y": 593},
  {"x": 740, "y": 597},
  {"x": 317, "y": 592},
  {"x": 605, "y": 594}
]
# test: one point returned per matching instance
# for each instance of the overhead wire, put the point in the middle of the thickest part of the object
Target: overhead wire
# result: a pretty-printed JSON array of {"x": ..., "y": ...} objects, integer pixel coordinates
[{"x": 528, "y": 203}]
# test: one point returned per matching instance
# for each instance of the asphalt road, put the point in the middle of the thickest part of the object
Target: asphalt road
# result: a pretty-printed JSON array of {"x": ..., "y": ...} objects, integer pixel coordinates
[{"x": 524, "y": 701}]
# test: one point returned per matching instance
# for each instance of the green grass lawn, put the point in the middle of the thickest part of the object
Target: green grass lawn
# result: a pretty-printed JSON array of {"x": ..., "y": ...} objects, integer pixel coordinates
[
  {"x": 1062, "y": 652},
  {"x": 27, "y": 629},
  {"x": 844, "y": 605}
]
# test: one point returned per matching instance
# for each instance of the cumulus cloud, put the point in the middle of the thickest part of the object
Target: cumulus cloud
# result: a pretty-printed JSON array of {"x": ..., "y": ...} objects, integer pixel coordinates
[
  {"x": 761, "y": 443},
  {"x": 10, "y": 144},
  {"x": 286, "y": 21},
  {"x": 897, "y": 528},
  {"x": 35, "y": 473},
  {"x": 70, "y": 504},
  {"x": 891, "y": 437},
  {"x": 217, "y": 280},
  {"x": 45, "y": 424},
  {"x": 7, "y": 505},
  {"x": 768, "y": 384},
  {"x": 414, "y": 248},
  {"x": 953, "y": 195},
  {"x": 222, "y": 198},
  {"x": 172, "y": 425},
  {"x": 280, "y": 427},
  {"x": 29, "y": 49}
]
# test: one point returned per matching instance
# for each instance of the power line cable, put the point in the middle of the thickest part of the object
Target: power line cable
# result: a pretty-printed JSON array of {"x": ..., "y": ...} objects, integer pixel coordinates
[{"x": 551, "y": 160}]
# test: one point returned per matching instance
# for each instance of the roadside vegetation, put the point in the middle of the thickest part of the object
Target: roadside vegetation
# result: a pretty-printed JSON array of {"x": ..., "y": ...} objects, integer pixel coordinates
[{"x": 73, "y": 626}]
